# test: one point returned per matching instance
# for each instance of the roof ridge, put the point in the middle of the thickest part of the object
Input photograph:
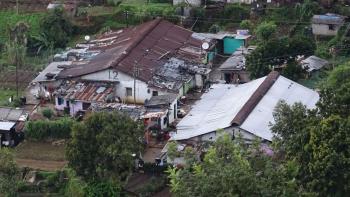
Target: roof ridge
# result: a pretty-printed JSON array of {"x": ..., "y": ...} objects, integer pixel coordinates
[
  {"x": 255, "y": 98},
  {"x": 138, "y": 39}
]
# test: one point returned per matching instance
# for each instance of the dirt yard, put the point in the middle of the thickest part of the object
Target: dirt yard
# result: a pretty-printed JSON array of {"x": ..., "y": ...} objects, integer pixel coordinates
[{"x": 40, "y": 155}]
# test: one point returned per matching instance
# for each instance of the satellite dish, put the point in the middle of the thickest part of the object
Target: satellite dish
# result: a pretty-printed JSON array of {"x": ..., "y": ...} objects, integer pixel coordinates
[
  {"x": 205, "y": 45},
  {"x": 87, "y": 38}
]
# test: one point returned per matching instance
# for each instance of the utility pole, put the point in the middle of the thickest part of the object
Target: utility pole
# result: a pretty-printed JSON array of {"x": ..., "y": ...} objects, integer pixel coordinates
[
  {"x": 136, "y": 74},
  {"x": 126, "y": 15},
  {"x": 17, "y": 6}
]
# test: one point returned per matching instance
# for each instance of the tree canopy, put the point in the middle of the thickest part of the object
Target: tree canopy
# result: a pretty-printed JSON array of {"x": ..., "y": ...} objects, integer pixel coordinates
[
  {"x": 277, "y": 52},
  {"x": 102, "y": 146},
  {"x": 319, "y": 140},
  {"x": 55, "y": 30},
  {"x": 229, "y": 169}
]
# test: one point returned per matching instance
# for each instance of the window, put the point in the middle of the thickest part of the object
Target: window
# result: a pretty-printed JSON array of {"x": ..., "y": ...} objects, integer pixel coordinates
[
  {"x": 128, "y": 91},
  {"x": 60, "y": 101},
  {"x": 86, "y": 106},
  {"x": 154, "y": 93},
  {"x": 148, "y": 91},
  {"x": 331, "y": 27}
]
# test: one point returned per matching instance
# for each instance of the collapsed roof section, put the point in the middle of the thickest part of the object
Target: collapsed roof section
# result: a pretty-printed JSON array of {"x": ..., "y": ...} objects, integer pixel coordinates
[
  {"x": 87, "y": 92},
  {"x": 145, "y": 46}
]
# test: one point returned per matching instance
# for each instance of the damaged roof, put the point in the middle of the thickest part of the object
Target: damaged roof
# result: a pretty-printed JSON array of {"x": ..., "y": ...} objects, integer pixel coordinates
[
  {"x": 145, "y": 46},
  {"x": 13, "y": 114},
  {"x": 314, "y": 63},
  {"x": 161, "y": 100},
  {"x": 85, "y": 91}
]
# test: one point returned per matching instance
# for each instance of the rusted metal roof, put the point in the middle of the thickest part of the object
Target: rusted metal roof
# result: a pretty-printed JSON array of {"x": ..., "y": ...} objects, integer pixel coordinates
[
  {"x": 113, "y": 46},
  {"x": 145, "y": 47},
  {"x": 89, "y": 92},
  {"x": 255, "y": 98}
]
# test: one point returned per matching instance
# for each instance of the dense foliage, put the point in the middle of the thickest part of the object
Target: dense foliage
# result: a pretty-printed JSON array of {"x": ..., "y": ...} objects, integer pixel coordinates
[
  {"x": 9, "y": 173},
  {"x": 56, "y": 29},
  {"x": 102, "y": 146},
  {"x": 230, "y": 169},
  {"x": 49, "y": 129},
  {"x": 276, "y": 52},
  {"x": 319, "y": 140}
]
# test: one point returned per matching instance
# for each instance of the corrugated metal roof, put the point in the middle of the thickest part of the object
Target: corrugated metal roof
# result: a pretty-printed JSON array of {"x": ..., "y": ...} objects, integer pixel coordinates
[
  {"x": 250, "y": 105},
  {"x": 12, "y": 114},
  {"x": 314, "y": 63},
  {"x": 89, "y": 92},
  {"x": 328, "y": 19},
  {"x": 161, "y": 100},
  {"x": 6, "y": 126},
  {"x": 216, "y": 109},
  {"x": 258, "y": 94},
  {"x": 144, "y": 46},
  {"x": 261, "y": 116}
]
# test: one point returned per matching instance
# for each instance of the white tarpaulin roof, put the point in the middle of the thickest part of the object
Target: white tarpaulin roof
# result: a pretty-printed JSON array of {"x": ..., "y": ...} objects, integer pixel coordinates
[
  {"x": 283, "y": 89},
  {"x": 216, "y": 109},
  {"x": 6, "y": 126}
]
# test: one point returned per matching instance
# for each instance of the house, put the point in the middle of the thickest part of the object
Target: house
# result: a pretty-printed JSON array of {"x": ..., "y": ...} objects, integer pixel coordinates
[
  {"x": 161, "y": 111},
  {"x": 74, "y": 97},
  {"x": 313, "y": 63},
  {"x": 227, "y": 42},
  {"x": 192, "y": 3},
  {"x": 136, "y": 59},
  {"x": 233, "y": 70},
  {"x": 241, "y": 110},
  {"x": 12, "y": 122},
  {"x": 327, "y": 25}
]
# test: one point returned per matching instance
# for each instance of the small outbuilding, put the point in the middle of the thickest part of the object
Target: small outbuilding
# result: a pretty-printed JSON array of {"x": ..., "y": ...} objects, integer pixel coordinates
[
  {"x": 314, "y": 63},
  {"x": 12, "y": 121},
  {"x": 327, "y": 25}
]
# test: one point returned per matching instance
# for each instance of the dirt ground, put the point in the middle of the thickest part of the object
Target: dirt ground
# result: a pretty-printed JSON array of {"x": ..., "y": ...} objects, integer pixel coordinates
[{"x": 40, "y": 155}]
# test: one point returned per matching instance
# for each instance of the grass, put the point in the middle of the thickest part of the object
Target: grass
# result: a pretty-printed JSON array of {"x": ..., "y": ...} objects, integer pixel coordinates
[
  {"x": 316, "y": 79},
  {"x": 5, "y": 95},
  {"x": 40, "y": 151}
]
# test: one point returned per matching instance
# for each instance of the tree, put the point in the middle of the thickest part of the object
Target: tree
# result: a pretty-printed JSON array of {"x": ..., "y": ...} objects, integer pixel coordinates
[
  {"x": 266, "y": 30},
  {"x": 334, "y": 96},
  {"x": 16, "y": 47},
  {"x": 276, "y": 52},
  {"x": 56, "y": 29},
  {"x": 102, "y": 146},
  {"x": 9, "y": 173},
  {"x": 228, "y": 170},
  {"x": 329, "y": 165},
  {"x": 319, "y": 143},
  {"x": 246, "y": 24}
]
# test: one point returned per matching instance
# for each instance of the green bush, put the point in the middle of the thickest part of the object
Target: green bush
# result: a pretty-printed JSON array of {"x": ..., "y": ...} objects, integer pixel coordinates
[
  {"x": 47, "y": 112},
  {"x": 103, "y": 188},
  {"x": 49, "y": 129}
]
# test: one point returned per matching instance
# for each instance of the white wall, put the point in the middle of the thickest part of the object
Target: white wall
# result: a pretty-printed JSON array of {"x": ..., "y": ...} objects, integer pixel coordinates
[
  {"x": 143, "y": 92},
  {"x": 171, "y": 112},
  {"x": 323, "y": 30},
  {"x": 196, "y": 3},
  {"x": 75, "y": 107},
  {"x": 60, "y": 107}
]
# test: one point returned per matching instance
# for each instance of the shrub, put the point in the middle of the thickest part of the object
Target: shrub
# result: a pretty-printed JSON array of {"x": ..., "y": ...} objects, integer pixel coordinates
[
  {"x": 154, "y": 185},
  {"x": 103, "y": 188},
  {"x": 47, "y": 112},
  {"x": 49, "y": 129}
]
